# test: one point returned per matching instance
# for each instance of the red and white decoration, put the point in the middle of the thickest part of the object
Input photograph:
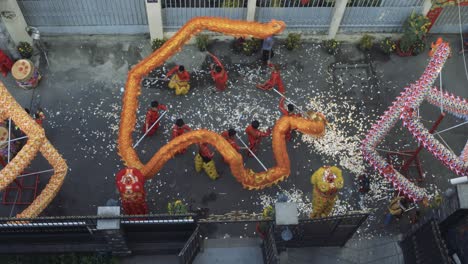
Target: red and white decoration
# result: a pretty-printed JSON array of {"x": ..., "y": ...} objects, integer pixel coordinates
[{"x": 405, "y": 108}]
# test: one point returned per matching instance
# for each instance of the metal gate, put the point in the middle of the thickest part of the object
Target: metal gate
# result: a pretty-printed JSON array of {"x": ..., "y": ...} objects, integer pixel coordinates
[
  {"x": 86, "y": 16},
  {"x": 191, "y": 248},
  {"x": 332, "y": 231},
  {"x": 312, "y": 15},
  {"x": 425, "y": 246},
  {"x": 378, "y": 15},
  {"x": 177, "y": 12},
  {"x": 449, "y": 22}
]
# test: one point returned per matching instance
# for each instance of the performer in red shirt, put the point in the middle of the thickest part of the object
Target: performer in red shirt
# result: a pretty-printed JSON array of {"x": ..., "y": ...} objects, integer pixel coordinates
[
  {"x": 289, "y": 112},
  {"x": 39, "y": 116},
  {"x": 180, "y": 81},
  {"x": 178, "y": 129},
  {"x": 275, "y": 80},
  {"x": 219, "y": 74},
  {"x": 5, "y": 63},
  {"x": 204, "y": 160},
  {"x": 229, "y": 135},
  {"x": 255, "y": 135},
  {"x": 151, "y": 116}
]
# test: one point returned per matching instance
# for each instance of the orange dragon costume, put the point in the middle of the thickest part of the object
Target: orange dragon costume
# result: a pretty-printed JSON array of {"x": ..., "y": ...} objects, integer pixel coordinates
[{"x": 311, "y": 124}]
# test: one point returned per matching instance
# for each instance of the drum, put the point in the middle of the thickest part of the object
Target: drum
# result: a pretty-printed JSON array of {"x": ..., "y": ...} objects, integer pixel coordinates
[{"x": 27, "y": 76}]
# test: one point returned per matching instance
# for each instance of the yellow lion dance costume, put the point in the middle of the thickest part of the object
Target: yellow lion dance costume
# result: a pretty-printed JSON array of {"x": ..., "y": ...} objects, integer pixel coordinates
[{"x": 327, "y": 181}]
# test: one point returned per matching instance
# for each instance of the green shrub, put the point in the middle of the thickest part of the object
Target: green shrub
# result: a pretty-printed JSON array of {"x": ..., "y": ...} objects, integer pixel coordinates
[
  {"x": 293, "y": 41},
  {"x": 202, "y": 42},
  {"x": 238, "y": 44},
  {"x": 250, "y": 46},
  {"x": 388, "y": 45},
  {"x": 366, "y": 43},
  {"x": 419, "y": 47},
  {"x": 268, "y": 212},
  {"x": 157, "y": 43},
  {"x": 414, "y": 33},
  {"x": 177, "y": 207},
  {"x": 25, "y": 50},
  {"x": 331, "y": 46}
]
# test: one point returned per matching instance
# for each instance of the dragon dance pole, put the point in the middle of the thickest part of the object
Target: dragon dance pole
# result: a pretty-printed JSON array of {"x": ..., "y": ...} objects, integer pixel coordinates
[
  {"x": 148, "y": 130},
  {"x": 34, "y": 173},
  {"x": 251, "y": 152},
  {"x": 289, "y": 100},
  {"x": 9, "y": 139},
  {"x": 450, "y": 128},
  {"x": 12, "y": 140},
  {"x": 159, "y": 79}
]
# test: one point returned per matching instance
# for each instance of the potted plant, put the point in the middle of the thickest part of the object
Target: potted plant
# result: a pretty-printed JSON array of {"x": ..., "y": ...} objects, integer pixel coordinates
[
  {"x": 419, "y": 47},
  {"x": 387, "y": 45},
  {"x": 331, "y": 46},
  {"x": 25, "y": 50},
  {"x": 404, "y": 47},
  {"x": 237, "y": 44},
  {"x": 414, "y": 34},
  {"x": 250, "y": 46},
  {"x": 177, "y": 207},
  {"x": 157, "y": 43},
  {"x": 366, "y": 43},
  {"x": 202, "y": 41},
  {"x": 293, "y": 41},
  {"x": 262, "y": 227}
]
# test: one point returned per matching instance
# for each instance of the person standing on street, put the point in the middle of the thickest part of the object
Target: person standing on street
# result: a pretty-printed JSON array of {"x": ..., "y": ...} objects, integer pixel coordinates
[{"x": 267, "y": 49}]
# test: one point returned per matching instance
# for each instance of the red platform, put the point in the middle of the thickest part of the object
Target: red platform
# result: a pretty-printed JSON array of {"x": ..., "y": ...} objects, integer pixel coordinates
[{"x": 412, "y": 156}]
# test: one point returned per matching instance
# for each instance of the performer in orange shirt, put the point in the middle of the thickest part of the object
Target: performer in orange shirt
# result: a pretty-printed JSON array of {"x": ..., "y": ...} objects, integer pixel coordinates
[
  {"x": 255, "y": 135},
  {"x": 289, "y": 112},
  {"x": 151, "y": 116},
  {"x": 180, "y": 80},
  {"x": 178, "y": 129},
  {"x": 275, "y": 80}
]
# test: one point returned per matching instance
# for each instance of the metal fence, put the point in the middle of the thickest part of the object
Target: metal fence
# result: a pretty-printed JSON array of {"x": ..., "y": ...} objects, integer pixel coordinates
[
  {"x": 312, "y": 15},
  {"x": 191, "y": 248},
  {"x": 378, "y": 15},
  {"x": 165, "y": 234},
  {"x": 84, "y": 223},
  {"x": 449, "y": 21},
  {"x": 269, "y": 250},
  {"x": 129, "y": 16},
  {"x": 86, "y": 16},
  {"x": 425, "y": 246},
  {"x": 177, "y": 12},
  {"x": 325, "y": 232}
]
